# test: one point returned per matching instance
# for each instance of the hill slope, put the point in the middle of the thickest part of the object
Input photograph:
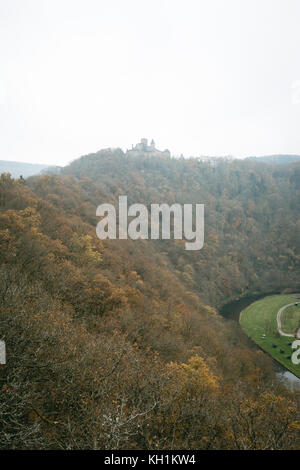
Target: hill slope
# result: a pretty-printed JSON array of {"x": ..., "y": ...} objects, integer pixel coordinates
[
  {"x": 252, "y": 231},
  {"x": 116, "y": 344}
]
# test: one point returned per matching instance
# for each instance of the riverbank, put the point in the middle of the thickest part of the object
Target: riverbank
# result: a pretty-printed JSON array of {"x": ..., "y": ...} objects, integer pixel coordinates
[
  {"x": 259, "y": 321},
  {"x": 232, "y": 311}
]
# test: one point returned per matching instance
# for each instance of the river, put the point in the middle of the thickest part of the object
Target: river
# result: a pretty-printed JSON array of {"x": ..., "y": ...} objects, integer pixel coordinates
[{"x": 232, "y": 311}]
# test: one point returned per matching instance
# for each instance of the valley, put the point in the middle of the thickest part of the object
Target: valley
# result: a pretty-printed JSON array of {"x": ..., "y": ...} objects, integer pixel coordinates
[{"x": 119, "y": 344}]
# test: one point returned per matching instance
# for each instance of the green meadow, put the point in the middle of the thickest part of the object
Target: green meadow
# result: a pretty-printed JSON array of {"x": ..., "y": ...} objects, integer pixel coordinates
[
  {"x": 290, "y": 319},
  {"x": 260, "y": 323}
]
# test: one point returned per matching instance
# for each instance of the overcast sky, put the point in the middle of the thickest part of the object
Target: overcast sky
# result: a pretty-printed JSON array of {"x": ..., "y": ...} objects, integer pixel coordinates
[{"x": 201, "y": 77}]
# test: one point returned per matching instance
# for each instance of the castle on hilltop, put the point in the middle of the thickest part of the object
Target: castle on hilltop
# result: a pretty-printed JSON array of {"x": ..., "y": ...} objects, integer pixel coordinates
[{"x": 149, "y": 150}]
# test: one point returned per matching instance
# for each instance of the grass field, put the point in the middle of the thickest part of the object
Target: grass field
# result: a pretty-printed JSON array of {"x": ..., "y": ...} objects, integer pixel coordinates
[
  {"x": 290, "y": 319},
  {"x": 259, "y": 322}
]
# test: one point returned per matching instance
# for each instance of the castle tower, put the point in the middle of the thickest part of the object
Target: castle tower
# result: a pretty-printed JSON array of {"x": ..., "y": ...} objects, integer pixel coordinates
[{"x": 144, "y": 144}]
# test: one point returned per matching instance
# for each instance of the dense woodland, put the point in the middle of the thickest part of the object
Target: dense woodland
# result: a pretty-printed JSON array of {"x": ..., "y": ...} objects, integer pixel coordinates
[{"x": 118, "y": 344}]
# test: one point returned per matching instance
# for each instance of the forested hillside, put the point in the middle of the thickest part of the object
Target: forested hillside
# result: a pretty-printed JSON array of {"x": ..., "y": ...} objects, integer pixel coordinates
[
  {"x": 252, "y": 227},
  {"x": 118, "y": 343}
]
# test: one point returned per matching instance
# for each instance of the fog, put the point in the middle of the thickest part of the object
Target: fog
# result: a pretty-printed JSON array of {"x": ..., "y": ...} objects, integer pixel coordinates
[{"x": 209, "y": 77}]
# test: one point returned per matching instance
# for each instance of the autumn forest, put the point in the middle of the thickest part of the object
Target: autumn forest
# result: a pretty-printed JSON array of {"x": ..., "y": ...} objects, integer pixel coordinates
[{"x": 120, "y": 344}]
